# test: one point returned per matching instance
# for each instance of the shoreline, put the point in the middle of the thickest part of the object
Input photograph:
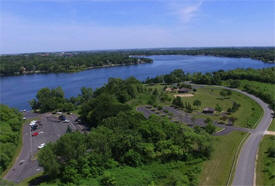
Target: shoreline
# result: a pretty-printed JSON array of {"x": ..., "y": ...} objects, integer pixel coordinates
[{"x": 80, "y": 70}]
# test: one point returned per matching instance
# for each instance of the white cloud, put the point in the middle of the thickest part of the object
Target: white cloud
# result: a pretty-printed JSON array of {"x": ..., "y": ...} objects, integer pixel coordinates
[{"x": 186, "y": 10}]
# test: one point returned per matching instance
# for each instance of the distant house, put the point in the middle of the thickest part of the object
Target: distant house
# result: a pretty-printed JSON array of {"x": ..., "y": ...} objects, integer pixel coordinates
[
  {"x": 208, "y": 110},
  {"x": 183, "y": 90}
]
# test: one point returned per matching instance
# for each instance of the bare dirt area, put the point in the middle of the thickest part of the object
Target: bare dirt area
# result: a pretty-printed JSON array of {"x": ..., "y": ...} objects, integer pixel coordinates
[
  {"x": 50, "y": 128},
  {"x": 270, "y": 133},
  {"x": 183, "y": 95}
]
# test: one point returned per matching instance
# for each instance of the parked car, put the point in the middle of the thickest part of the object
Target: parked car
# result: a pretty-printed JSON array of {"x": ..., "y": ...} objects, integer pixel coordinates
[
  {"x": 66, "y": 121},
  {"x": 62, "y": 118},
  {"x": 34, "y": 127},
  {"x": 41, "y": 146},
  {"x": 35, "y": 134}
]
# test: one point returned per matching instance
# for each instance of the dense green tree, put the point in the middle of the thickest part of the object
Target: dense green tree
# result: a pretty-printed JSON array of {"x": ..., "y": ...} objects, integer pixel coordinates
[
  {"x": 100, "y": 108},
  {"x": 51, "y": 99},
  {"x": 10, "y": 124}
]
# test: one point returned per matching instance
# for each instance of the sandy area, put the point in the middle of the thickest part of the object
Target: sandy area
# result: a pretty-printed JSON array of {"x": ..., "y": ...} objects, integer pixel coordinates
[
  {"x": 269, "y": 133},
  {"x": 183, "y": 95}
]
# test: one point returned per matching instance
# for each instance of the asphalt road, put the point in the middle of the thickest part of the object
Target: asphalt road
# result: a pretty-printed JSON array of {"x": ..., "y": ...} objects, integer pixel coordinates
[
  {"x": 245, "y": 167},
  {"x": 244, "y": 173},
  {"x": 50, "y": 131}
]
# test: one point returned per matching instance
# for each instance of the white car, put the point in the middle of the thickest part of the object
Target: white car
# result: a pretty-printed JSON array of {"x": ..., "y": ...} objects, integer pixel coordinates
[
  {"x": 66, "y": 121},
  {"x": 41, "y": 146},
  {"x": 33, "y": 122},
  {"x": 21, "y": 162}
]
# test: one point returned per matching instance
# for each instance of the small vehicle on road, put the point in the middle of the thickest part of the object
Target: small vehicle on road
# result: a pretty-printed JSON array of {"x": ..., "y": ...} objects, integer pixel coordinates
[
  {"x": 34, "y": 127},
  {"x": 35, "y": 134},
  {"x": 66, "y": 121},
  {"x": 41, "y": 146},
  {"x": 21, "y": 162}
]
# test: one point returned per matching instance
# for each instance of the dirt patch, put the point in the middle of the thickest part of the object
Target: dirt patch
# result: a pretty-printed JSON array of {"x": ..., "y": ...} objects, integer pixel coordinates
[
  {"x": 183, "y": 95},
  {"x": 269, "y": 133}
]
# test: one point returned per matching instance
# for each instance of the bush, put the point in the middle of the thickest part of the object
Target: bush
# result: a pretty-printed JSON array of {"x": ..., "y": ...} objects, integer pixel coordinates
[
  {"x": 210, "y": 128},
  {"x": 271, "y": 151},
  {"x": 177, "y": 102},
  {"x": 197, "y": 102},
  {"x": 108, "y": 179}
]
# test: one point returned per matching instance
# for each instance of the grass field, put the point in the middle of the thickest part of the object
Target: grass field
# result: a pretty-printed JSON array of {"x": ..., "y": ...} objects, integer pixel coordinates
[
  {"x": 263, "y": 87},
  {"x": 216, "y": 171},
  {"x": 266, "y": 164},
  {"x": 247, "y": 115},
  {"x": 272, "y": 126}
]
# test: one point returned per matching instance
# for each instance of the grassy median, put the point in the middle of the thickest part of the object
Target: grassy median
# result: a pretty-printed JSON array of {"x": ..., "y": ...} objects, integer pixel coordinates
[
  {"x": 216, "y": 171},
  {"x": 272, "y": 126},
  {"x": 266, "y": 162}
]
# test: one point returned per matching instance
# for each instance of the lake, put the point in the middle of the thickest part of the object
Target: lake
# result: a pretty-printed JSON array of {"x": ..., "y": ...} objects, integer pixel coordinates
[{"x": 16, "y": 91}]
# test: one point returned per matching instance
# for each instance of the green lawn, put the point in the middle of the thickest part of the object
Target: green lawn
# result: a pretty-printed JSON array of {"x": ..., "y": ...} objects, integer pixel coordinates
[
  {"x": 263, "y": 87},
  {"x": 266, "y": 164},
  {"x": 272, "y": 126},
  {"x": 216, "y": 171}
]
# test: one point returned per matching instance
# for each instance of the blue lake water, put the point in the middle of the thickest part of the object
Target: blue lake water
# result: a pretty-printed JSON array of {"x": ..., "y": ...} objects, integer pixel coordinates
[{"x": 16, "y": 91}]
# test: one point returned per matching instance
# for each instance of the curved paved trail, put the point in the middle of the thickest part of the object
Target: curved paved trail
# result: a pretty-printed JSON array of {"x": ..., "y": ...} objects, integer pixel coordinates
[{"x": 245, "y": 167}]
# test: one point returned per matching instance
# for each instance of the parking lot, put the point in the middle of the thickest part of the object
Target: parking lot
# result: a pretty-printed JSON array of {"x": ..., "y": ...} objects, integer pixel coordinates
[
  {"x": 183, "y": 117},
  {"x": 50, "y": 128}
]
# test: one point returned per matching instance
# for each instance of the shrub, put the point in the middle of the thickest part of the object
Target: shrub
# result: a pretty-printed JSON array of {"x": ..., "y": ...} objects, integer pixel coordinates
[
  {"x": 108, "y": 179},
  {"x": 159, "y": 107}
]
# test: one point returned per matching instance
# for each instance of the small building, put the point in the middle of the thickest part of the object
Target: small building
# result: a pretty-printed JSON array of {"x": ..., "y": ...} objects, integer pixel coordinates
[
  {"x": 208, "y": 110},
  {"x": 183, "y": 90}
]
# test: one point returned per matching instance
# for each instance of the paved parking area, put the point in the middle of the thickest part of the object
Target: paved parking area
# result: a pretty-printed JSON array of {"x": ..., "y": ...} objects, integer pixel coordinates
[
  {"x": 50, "y": 130},
  {"x": 183, "y": 117}
]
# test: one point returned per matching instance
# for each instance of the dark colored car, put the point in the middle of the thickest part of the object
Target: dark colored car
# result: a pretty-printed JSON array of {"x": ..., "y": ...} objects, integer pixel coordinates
[
  {"x": 34, "y": 127},
  {"x": 62, "y": 118}
]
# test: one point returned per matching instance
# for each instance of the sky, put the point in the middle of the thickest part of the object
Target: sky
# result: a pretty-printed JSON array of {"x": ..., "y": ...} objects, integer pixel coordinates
[{"x": 68, "y": 25}]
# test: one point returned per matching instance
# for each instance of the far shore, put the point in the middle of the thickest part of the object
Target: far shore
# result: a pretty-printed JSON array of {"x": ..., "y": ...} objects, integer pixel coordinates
[{"x": 79, "y": 70}]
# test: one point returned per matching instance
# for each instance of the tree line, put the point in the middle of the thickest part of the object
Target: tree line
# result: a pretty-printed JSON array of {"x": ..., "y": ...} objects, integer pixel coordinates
[
  {"x": 54, "y": 63},
  {"x": 265, "y": 54},
  {"x": 10, "y": 127},
  {"x": 77, "y": 61}
]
